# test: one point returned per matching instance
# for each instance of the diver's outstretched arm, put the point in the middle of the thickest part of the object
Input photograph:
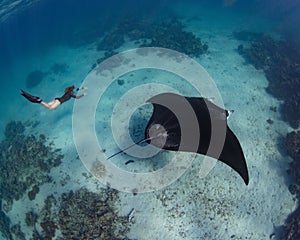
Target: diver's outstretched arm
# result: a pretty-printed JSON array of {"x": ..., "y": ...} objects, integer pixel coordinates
[
  {"x": 81, "y": 88},
  {"x": 80, "y": 96}
]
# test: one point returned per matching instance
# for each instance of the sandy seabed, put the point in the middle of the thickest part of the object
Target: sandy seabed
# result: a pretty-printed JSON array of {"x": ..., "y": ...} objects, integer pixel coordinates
[{"x": 218, "y": 206}]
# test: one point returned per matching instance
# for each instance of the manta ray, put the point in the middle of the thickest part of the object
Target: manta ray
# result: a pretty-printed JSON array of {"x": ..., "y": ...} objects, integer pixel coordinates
[{"x": 193, "y": 124}]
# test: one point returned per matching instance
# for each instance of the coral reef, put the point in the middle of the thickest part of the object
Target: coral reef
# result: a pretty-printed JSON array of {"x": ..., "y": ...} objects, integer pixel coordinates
[
  {"x": 80, "y": 215},
  {"x": 171, "y": 34},
  {"x": 13, "y": 129},
  {"x": 5, "y": 224},
  {"x": 111, "y": 41},
  {"x": 247, "y": 35},
  {"x": 280, "y": 60},
  {"x": 32, "y": 193},
  {"x": 290, "y": 109},
  {"x": 45, "y": 218},
  {"x": 16, "y": 230},
  {"x": 292, "y": 144},
  {"x": 107, "y": 54},
  {"x": 120, "y": 82},
  {"x": 87, "y": 215},
  {"x": 31, "y": 218},
  {"x": 59, "y": 68},
  {"x": 291, "y": 228},
  {"x": 26, "y": 161},
  {"x": 49, "y": 228},
  {"x": 34, "y": 78},
  {"x": 150, "y": 32}
]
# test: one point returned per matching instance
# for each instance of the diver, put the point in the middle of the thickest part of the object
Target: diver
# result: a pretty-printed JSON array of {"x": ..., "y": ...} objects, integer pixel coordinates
[{"x": 69, "y": 93}]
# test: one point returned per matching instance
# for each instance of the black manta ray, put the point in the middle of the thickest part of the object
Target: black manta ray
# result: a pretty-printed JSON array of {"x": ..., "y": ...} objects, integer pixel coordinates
[{"x": 190, "y": 124}]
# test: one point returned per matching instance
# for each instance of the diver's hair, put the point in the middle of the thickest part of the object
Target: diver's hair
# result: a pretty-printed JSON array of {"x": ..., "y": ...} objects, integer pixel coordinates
[{"x": 68, "y": 89}]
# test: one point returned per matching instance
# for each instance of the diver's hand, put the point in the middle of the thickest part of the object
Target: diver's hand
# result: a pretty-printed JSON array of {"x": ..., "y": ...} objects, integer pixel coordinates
[{"x": 82, "y": 88}]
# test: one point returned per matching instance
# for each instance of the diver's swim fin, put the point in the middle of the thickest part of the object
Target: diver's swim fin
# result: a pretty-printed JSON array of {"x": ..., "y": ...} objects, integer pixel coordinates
[{"x": 30, "y": 98}]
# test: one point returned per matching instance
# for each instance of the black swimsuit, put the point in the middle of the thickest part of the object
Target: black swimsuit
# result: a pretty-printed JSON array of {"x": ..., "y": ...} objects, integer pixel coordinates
[{"x": 67, "y": 96}]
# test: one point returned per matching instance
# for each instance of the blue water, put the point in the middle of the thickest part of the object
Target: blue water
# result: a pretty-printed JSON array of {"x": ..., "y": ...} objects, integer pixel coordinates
[
  {"x": 61, "y": 39},
  {"x": 48, "y": 23}
]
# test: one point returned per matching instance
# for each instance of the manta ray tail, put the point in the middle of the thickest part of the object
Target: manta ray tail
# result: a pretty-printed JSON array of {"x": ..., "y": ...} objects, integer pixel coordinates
[{"x": 123, "y": 150}]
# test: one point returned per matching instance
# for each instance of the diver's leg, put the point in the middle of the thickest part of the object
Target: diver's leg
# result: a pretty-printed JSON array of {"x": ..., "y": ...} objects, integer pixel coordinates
[{"x": 51, "y": 105}]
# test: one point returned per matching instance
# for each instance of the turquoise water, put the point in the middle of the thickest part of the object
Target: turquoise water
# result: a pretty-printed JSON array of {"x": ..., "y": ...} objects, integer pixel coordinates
[{"x": 55, "y": 182}]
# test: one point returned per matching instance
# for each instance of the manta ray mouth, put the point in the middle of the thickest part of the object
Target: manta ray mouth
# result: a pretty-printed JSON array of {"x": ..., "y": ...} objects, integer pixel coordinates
[{"x": 157, "y": 135}]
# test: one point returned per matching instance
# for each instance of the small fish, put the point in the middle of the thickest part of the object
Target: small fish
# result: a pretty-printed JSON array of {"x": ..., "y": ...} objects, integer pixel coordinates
[
  {"x": 130, "y": 216},
  {"x": 129, "y": 161}
]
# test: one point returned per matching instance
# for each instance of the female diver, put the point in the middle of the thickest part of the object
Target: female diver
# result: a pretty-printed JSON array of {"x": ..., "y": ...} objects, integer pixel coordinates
[{"x": 69, "y": 93}]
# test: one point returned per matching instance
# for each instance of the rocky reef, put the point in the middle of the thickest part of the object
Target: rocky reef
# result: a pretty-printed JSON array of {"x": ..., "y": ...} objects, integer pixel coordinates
[
  {"x": 280, "y": 60},
  {"x": 26, "y": 161}
]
